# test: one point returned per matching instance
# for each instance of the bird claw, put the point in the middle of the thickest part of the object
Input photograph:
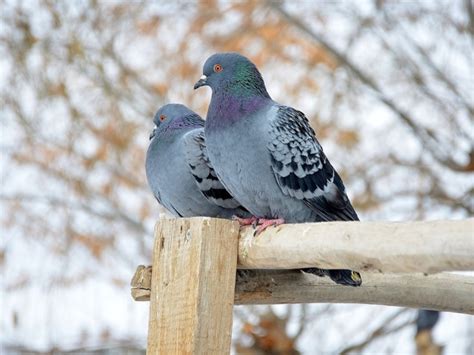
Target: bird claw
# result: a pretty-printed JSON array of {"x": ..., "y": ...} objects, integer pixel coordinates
[
  {"x": 265, "y": 223},
  {"x": 259, "y": 224},
  {"x": 246, "y": 221}
]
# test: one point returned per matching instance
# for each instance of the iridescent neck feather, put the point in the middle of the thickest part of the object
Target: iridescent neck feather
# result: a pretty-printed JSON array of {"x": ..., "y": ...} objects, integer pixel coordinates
[
  {"x": 179, "y": 125},
  {"x": 237, "y": 99}
]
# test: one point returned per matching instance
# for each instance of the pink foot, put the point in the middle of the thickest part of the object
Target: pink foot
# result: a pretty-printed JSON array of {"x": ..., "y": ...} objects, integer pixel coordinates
[
  {"x": 245, "y": 221},
  {"x": 265, "y": 223}
]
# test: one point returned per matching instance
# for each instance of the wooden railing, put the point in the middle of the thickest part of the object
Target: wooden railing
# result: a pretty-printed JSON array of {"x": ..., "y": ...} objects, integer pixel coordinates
[{"x": 195, "y": 281}]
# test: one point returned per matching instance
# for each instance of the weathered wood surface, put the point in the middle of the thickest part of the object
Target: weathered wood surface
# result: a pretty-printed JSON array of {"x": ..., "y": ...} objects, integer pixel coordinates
[
  {"x": 427, "y": 247},
  {"x": 192, "y": 293},
  {"x": 141, "y": 283},
  {"x": 443, "y": 292},
  {"x": 412, "y": 247}
]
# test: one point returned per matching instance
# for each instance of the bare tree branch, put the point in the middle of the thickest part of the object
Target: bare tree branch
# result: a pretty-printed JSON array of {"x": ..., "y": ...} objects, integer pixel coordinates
[
  {"x": 426, "y": 135},
  {"x": 383, "y": 330},
  {"x": 116, "y": 215}
]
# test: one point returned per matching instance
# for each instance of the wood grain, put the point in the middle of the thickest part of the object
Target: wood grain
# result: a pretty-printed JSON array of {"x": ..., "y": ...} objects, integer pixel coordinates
[
  {"x": 191, "y": 254},
  {"x": 193, "y": 280},
  {"x": 443, "y": 292},
  {"x": 427, "y": 247}
]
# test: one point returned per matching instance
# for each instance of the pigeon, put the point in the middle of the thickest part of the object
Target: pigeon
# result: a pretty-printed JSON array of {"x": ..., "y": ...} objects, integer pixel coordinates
[
  {"x": 267, "y": 155},
  {"x": 178, "y": 169},
  {"x": 426, "y": 320}
]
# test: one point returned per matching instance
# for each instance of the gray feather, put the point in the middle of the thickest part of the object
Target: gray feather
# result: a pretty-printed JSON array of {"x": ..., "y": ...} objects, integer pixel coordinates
[
  {"x": 203, "y": 172},
  {"x": 178, "y": 170},
  {"x": 267, "y": 155},
  {"x": 302, "y": 169}
]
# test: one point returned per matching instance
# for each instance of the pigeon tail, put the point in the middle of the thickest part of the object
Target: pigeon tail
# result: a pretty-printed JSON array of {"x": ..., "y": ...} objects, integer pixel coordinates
[{"x": 340, "y": 276}]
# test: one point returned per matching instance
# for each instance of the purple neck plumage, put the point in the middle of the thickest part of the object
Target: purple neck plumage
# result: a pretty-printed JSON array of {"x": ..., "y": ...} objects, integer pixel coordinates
[
  {"x": 180, "y": 125},
  {"x": 226, "y": 108},
  {"x": 190, "y": 121}
]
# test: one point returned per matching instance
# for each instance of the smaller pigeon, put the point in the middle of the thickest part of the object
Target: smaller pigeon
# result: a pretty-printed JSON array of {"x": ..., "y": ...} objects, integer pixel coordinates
[{"x": 178, "y": 169}]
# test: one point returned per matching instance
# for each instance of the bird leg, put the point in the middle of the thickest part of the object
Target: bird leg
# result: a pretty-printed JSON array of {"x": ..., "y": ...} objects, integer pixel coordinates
[
  {"x": 259, "y": 223},
  {"x": 251, "y": 221},
  {"x": 265, "y": 223}
]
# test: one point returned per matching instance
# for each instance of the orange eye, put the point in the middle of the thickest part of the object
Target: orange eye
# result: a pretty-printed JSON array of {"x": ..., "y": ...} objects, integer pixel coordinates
[
  {"x": 217, "y": 68},
  {"x": 162, "y": 118}
]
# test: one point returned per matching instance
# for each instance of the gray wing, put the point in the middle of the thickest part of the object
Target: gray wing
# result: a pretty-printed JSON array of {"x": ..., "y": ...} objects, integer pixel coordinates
[
  {"x": 203, "y": 172},
  {"x": 158, "y": 198},
  {"x": 302, "y": 170},
  {"x": 170, "y": 208}
]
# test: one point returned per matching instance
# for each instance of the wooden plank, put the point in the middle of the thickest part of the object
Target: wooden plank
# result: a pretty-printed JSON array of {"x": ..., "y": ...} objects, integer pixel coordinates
[
  {"x": 192, "y": 293},
  {"x": 141, "y": 283},
  {"x": 427, "y": 247},
  {"x": 443, "y": 292}
]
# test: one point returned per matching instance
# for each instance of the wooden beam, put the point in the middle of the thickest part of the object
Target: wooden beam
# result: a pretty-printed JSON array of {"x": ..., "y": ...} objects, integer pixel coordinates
[
  {"x": 442, "y": 292},
  {"x": 426, "y": 247},
  {"x": 192, "y": 293},
  {"x": 192, "y": 264}
]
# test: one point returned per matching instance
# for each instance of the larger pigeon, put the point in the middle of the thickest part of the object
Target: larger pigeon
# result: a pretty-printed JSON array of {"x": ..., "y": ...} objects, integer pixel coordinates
[
  {"x": 178, "y": 169},
  {"x": 267, "y": 155}
]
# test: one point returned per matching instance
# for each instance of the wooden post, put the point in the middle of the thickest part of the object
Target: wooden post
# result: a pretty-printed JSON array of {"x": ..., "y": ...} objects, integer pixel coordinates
[{"x": 193, "y": 281}]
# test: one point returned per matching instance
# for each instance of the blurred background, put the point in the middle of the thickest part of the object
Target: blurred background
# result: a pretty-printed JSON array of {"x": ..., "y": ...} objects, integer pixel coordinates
[{"x": 388, "y": 86}]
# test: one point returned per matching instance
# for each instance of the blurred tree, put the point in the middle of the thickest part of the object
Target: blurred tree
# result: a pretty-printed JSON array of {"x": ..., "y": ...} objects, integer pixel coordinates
[{"x": 386, "y": 85}]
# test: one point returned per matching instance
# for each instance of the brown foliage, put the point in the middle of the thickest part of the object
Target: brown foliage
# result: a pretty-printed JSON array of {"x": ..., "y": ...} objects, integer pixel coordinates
[
  {"x": 269, "y": 336},
  {"x": 84, "y": 79}
]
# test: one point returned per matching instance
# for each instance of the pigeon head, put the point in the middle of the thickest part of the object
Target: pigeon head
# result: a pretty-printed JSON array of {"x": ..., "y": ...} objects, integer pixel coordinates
[
  {"x": 233, "y": 73},
  {"x": 174, "y": 117}
]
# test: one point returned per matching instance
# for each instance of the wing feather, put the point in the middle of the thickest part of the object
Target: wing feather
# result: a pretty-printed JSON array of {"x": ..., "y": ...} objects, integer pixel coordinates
[
  {"x": 302, "y": 170},
  {"x": 203, "y": 172}
]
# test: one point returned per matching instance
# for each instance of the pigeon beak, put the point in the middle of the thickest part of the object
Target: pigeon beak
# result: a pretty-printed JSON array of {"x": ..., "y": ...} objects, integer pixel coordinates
[
  {"x": 152, "y": 134},
  {"x": 201, "y": 82}
]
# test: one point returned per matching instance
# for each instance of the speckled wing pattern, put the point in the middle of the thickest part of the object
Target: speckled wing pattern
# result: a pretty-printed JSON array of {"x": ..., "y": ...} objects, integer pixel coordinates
[
  {"x": 203, "y": 172},
  {"x": 302, "y": 170}
]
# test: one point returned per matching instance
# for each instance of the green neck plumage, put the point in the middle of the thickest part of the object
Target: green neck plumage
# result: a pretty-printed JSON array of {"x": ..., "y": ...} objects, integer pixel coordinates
[{"x": 247, "y": 82}]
